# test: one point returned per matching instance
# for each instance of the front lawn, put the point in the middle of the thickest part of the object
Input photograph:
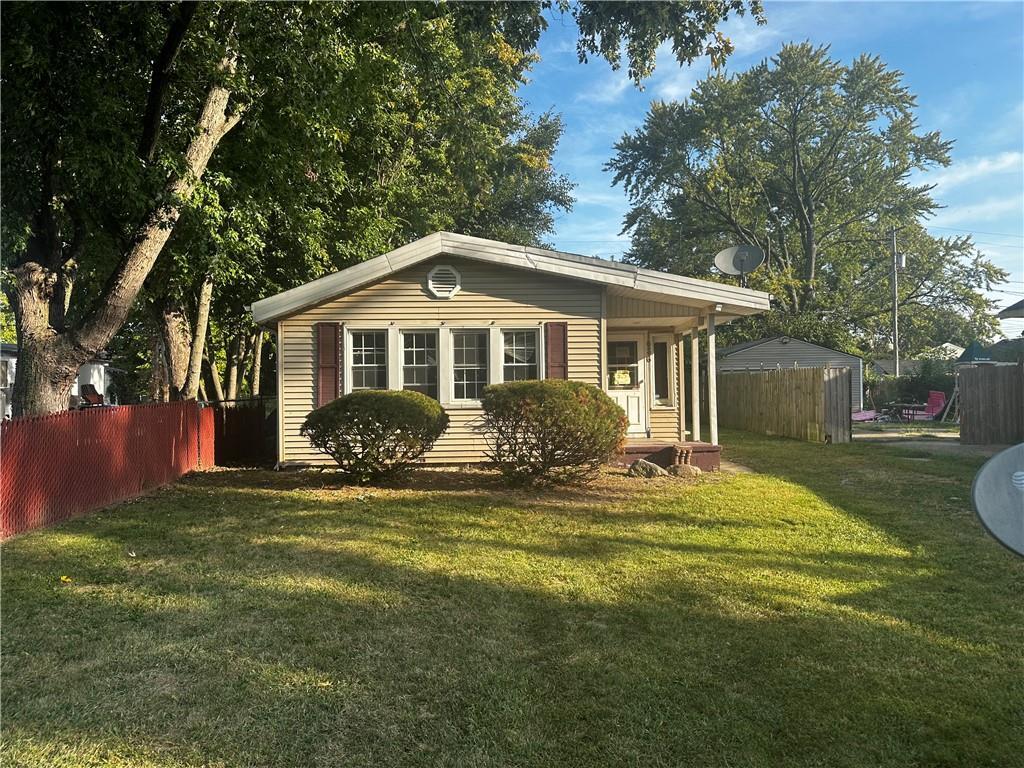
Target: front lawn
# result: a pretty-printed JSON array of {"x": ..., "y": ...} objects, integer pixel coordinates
[{"x": 842, "y": 609}]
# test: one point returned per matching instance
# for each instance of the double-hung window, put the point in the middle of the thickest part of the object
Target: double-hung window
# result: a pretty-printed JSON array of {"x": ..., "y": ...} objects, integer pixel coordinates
[
  {"x": 419, "y": 362},
  {"x": 369, "y": 360},
  {"x": 520, "y": 355},
  {"x": 469, "y": 364}
]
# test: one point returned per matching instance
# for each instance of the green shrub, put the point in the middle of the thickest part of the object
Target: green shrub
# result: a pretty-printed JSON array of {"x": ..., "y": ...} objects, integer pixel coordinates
[
  {"x": 374, "y": 434},
  {"x": 551, "y": 431}
]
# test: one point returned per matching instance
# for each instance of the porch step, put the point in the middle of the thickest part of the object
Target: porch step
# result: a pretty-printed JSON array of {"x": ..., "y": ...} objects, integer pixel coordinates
[{"x": 703, "y": 455}]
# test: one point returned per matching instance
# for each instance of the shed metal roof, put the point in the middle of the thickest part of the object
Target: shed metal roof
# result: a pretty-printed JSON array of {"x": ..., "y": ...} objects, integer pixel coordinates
[
  {"x": 731, "y": 350},
  {"x": 623, "y": 278}
]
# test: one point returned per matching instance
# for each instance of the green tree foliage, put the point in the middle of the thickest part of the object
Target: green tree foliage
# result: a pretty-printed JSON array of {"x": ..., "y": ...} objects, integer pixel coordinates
[
  {"x": 267, "y": 142},
  {"x": 813, "y": 161}
]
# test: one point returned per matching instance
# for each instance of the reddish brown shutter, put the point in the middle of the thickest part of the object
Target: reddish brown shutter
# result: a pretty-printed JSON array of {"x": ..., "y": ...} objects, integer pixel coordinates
[
  {"x": 327, "y": 363},
  {"x": 556, "y": 350}
]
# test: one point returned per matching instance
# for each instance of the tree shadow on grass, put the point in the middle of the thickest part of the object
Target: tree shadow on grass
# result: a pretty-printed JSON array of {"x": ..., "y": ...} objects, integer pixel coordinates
[{"x": 255, "y": 625}]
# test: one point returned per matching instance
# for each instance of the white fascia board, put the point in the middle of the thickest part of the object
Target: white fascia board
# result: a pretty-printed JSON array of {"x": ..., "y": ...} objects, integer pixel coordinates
[
  {"x": 329, "y": 287},
  {"x": 645, "y": 283}
]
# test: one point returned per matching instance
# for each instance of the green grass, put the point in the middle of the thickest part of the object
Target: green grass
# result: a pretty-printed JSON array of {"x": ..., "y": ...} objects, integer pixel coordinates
[{"x": 843, "y": 608}]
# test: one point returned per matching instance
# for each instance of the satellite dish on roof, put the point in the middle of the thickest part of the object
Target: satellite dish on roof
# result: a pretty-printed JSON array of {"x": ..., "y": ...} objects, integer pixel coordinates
[
  {"x": 998, "y": 495},
  {"x": 739, "y": 260}
]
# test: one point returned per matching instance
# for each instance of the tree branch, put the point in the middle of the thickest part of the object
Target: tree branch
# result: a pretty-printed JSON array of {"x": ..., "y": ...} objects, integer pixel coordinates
[
  {"x": 116, "y": 300},
  {"x": 161, "y": 78}
]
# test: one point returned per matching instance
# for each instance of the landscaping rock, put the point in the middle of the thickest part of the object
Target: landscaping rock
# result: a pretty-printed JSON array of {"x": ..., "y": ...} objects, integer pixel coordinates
[
  {"x": 644, "y": 468},
  {"x": 685, "y": 470}
]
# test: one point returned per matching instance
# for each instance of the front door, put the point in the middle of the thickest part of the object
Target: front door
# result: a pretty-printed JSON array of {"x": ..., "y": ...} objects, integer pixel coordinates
[{"x": 626, "y": 375}]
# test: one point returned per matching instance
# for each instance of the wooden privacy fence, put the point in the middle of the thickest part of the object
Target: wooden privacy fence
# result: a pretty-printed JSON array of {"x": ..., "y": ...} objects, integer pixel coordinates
[
  {"x": 244, "y": 432},
  {"x": 804, "y": 403},
  {"x": 992, "y": 404}
]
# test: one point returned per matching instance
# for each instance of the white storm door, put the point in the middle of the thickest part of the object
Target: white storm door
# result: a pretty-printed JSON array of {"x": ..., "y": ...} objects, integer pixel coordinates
[{"x": 626, "y": 380}]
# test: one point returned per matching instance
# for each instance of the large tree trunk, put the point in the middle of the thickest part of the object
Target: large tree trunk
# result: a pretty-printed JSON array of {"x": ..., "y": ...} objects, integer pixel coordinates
[
  {"x": 43, "y": 377},
  {"x": 49, "y": 358},
  {"x": 257, "y": 364},
  {"x": 235, "y": 354},
  {"x": 176, "y": 333},
  {"x": 47, "y": 367},
  {"x": 193, "y": 380},
  {"x": 214, "y": 375},
  {"x": 158, "y": 388}
]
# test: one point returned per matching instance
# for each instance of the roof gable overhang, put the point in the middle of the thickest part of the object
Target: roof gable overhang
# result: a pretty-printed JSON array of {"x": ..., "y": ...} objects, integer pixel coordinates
[{"x": 623, "y": 278}]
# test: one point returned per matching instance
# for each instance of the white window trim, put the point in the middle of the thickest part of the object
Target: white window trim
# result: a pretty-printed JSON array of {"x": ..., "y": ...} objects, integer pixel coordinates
[
  {"x": 668, "y": 339},
  {"x": 449, "y": 370},
  {"x": 445, "y": 355},
  {"x": 541, "y": 360},
  {"x": 346, "y": 375},
  {"x": 398, "y": 347}
]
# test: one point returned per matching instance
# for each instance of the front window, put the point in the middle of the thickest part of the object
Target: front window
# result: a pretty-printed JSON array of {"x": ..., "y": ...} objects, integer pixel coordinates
[
  {"x": 520, "y": 355},
  {"x": 623, "y": 365},
  {"x": 469, "y": 364},
  {"x": 369, "y": 360},
  {"x": 419, "y": 363}
]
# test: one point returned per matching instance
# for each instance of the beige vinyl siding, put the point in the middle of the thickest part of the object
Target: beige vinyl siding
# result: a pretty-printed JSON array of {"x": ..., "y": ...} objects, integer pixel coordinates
[
  {"x": 664, "y": 423},
  {"x": 629, "y": 307},
  {"x": 506, "y": 296}
]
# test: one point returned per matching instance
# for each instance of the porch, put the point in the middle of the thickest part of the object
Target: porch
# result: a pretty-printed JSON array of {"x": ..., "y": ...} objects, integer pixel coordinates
[
  {"x": 658, "y": 356},
  {"x": 705, "y": 456}
]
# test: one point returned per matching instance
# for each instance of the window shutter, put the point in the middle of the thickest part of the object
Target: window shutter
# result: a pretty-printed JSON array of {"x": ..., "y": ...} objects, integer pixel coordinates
[
  {"x": 556, "y": 350},
  {"x": 328, "y": 362}
]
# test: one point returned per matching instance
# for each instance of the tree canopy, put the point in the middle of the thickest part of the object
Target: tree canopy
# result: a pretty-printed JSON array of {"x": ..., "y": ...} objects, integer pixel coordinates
[
  {"x": 814, "y": 161},
  {"x": 263, "y": 143}
]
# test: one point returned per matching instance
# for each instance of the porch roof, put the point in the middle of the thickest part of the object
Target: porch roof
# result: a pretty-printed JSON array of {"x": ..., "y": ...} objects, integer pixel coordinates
[{"x": 691, "y": 295}]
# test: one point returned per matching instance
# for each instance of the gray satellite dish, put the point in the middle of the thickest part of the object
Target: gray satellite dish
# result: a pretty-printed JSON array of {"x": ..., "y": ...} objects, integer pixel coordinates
[
  {"x": 998, "y": 494},
  {"x": 739, "y": 260}
]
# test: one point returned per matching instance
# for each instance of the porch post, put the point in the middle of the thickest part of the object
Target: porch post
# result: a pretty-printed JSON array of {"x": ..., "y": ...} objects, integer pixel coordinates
[
  {"x": 695, "y": 382},
  {"x": 712, "y": 382},
  {"x": 681, "y": 382}
]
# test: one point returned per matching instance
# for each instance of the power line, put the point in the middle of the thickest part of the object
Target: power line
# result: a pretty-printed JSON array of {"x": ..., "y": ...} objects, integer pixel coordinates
[{"x": 972, "y": 231}]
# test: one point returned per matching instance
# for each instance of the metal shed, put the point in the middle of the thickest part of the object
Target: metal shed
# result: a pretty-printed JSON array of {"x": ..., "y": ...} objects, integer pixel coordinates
[{"x": 787, "y": 352}]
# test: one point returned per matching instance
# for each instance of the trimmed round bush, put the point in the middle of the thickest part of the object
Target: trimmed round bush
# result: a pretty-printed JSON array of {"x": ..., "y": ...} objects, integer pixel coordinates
[
  {"x": 375, "y": 434},
  {"x": 552, "y": 431}
]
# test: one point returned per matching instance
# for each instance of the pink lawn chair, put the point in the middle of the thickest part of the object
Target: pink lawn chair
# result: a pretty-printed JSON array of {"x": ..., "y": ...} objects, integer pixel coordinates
[
  {"x": 936, "y": 402},
  {"x": 869, "y": 415}
]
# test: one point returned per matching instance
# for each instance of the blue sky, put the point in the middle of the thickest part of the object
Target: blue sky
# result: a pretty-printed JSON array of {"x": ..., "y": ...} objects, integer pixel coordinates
[{"x": 965, "y": 62}]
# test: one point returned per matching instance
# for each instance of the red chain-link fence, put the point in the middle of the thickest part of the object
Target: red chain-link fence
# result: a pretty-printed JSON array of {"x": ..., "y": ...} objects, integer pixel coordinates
[{"x": 57, "y": 466}]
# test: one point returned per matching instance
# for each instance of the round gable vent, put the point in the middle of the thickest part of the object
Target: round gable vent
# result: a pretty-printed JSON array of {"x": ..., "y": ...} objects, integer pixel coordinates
[{"x": 443, "y": 281}]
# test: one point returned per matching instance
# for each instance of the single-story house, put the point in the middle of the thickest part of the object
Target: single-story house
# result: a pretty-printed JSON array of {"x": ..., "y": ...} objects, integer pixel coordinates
[
  {"x": 448, "y": 314},
  {"x": 787, "y": 352},
  {"x": 95, "y": 372}
]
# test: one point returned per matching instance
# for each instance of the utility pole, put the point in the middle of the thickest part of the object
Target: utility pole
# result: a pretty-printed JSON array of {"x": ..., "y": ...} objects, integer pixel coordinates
[{"x": 895, "y": 308}]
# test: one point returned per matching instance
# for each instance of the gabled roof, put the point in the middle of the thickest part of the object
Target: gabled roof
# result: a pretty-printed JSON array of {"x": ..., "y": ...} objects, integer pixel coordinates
[
  {"x": 732, "y": 350},
  {"x": 625, "y": 279},
  {"x": 1014, "y": 310}
]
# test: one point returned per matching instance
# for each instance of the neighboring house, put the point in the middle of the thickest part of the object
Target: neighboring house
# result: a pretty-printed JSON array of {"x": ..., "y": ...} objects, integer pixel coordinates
[
  {"x": 886, "y": 366},
  {"x": 448, "y": 314},
  {"x": 946, "y": 352},
  {"x": 1005, "y": 352},
  {"x": 94, "y": 372},
  {"x": 787, "y": 352}
]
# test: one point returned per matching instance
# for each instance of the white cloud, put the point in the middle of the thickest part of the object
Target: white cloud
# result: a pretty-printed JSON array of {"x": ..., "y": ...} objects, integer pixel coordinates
[
  {"x": 984, "y": 167},
  {"x": 673, "y": 81},
  {"x": 609, "y": 90},
  {"x": 983, "y": 210}
]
